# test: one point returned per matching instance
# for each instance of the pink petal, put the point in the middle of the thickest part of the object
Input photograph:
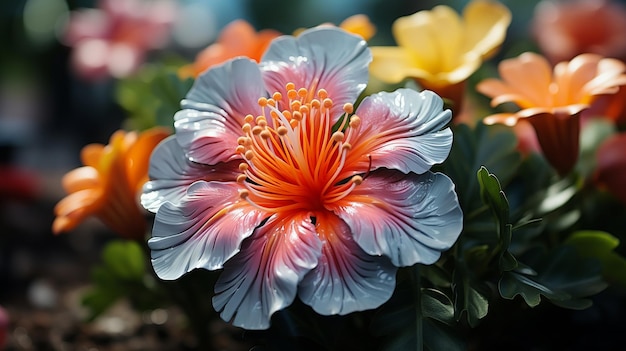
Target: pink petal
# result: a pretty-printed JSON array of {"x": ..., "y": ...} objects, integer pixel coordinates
[
  {"x": 263, "y": 277},
  {"x": 171, "y": 173},
  {"x": 408, "y": 218},
  {"x": 346, "y": 279},
  {"x": 208, "y": 126},
  {"x": 203, "y": 231},
  {"x": 322, "y": 57},
  {"x": 403, "y": 130}
]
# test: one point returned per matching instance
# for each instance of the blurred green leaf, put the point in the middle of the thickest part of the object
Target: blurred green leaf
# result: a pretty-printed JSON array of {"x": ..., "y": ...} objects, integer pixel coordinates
[
  {"x": 152, "y": 96},
  {"x": 125, "y": 260},
  {"x": 122, "y": 274},
  {"x": 601, "y": 245}
]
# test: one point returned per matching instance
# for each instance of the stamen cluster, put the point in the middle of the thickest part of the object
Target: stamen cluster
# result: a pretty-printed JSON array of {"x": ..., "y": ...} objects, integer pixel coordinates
[{"x": 293, "y": 160}]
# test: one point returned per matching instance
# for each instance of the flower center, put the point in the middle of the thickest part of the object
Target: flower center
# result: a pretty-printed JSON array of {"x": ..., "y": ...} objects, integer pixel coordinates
[{"x": 293, "y": 160}]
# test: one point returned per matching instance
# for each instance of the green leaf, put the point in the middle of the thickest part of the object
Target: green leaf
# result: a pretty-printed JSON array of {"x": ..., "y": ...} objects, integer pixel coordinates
[
  {"x": 470, "y": 296},
  {"x": 438, "y": 306},
  {"x": 416, "y": 318},
  {"x": 601, "y": 245},
  {"x": 562, "y": 276},
  {"x": 494, "y": 147},
  {"x": 125, "y": 259}
]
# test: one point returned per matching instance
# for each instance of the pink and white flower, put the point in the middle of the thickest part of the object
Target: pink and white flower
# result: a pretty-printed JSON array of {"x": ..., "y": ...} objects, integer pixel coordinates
[{"x": 274, "y": 178}]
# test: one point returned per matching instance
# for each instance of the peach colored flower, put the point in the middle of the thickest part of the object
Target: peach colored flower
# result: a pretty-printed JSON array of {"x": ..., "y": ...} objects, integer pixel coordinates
[
  {"x": 440, "y": 49},
  {"x": 238, "y": 38},
  {"x": 112, "y": 40},
  {"x": 553, "y": 100},
  {"x": 565, "y": 29},
  {"x": 107, "y": 187},
  {"x": 610, "y": 171}
]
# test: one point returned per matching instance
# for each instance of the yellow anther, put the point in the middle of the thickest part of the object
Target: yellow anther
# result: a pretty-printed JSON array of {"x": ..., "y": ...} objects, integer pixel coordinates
[
  {"x": 243, "y": 193},
  {"x": 248, "y": 118},
  {"x": 240, "y": 149},
  {"x": 292, "y": 94},
  {"x": 287, "y": 114},
  {"x": 249, "y": 155},
  {"x": 322, "y": 93},
  {"x": 295, "y": 105},
  {"x": 248, "y": 142},
  {"x": 303, "y": 92},
  {"x": 246, "y": 128},
  {"x": 262, "y": 123},
  {"x": 348, "y": 108},
  {"x": 346, "y": 146},
  {"x": 277, "y": 96},
  {"x": 282, "y": 130},
  {"x": 260, "y": 118},
  {"x": 297, "y": 116},
  {"x": 241, "y": 140},
  {"x": 328, "y": 103},
  {"x": 338, "y": 136},
  {"x": 315, "y": 103},
  {"x": 243, "y": 167},
  {"x": 266, "y": 134},
  {"x": 271, "y": 102},
  {"x": 355, "y": 121},
  {"x": 304, "y": 109},
  {"x": 357, "y": 180},
  {"x": 262, "y": 102},
  {"x": 257, "y": 129},
  {"x": 294, "y": 123},
  {"x": 290, "y": 86},
  {"x": 241, "y": 178},
  {"x": 273, "y": 114}
]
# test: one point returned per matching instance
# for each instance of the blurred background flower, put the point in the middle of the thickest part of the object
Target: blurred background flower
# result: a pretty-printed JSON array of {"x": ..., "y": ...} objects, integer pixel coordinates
[
  {"x": 441, "y": 60},
  {"x": 565, "y": 29},
  {"x": 113, "y": 39},
  {"x": 552, "y": 100}
]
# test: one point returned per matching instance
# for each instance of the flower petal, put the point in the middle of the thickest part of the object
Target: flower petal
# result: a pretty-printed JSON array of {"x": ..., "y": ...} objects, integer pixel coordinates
[
  {"x": 403, "y": 130},
  {"x": 321, "y": 57},
  {"x": 263, "y": 277},
  {"x": 486, "y": 23},
  {"x": 393, "y": 64},
  {"x": 346, "y": 278},
  {"x": 171, "y": 173},
  {"x": 203, "y": 231},
  {"x": 208, "y": 126},
  {"x": 408, "y": 218},
  {"x": 138, "y": 155}
]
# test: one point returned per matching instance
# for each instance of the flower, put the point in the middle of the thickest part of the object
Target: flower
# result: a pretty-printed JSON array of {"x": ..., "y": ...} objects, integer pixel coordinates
[
  {"x": 565, "y": 29},
  {"x": 610, "y": 171},
  {"x": 108, "y": 185},
  {"x": 441, "y": 60},
  {"x": 113, "y": 39},
  {"x": 238, "y": 38},
  {"x": 552, "y": 101},
  {"x": 272, "y": 177}
]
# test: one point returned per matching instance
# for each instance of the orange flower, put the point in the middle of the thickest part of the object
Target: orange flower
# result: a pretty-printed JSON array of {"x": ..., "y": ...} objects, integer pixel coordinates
[
  {"x": 552, "y": 101},
  {"x": 564, "y": 29},
  {"x": 611, "y": 166},
  {"x": 238, "y": 38},
  {"x": 107, "y": 186}
]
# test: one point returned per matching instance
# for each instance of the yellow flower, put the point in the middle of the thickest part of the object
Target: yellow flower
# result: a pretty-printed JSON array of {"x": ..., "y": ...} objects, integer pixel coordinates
[
  {"x": 439, "y": 48},
  {"x": 358, "y": 24},
  {"x": 107, "y": 186}
]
